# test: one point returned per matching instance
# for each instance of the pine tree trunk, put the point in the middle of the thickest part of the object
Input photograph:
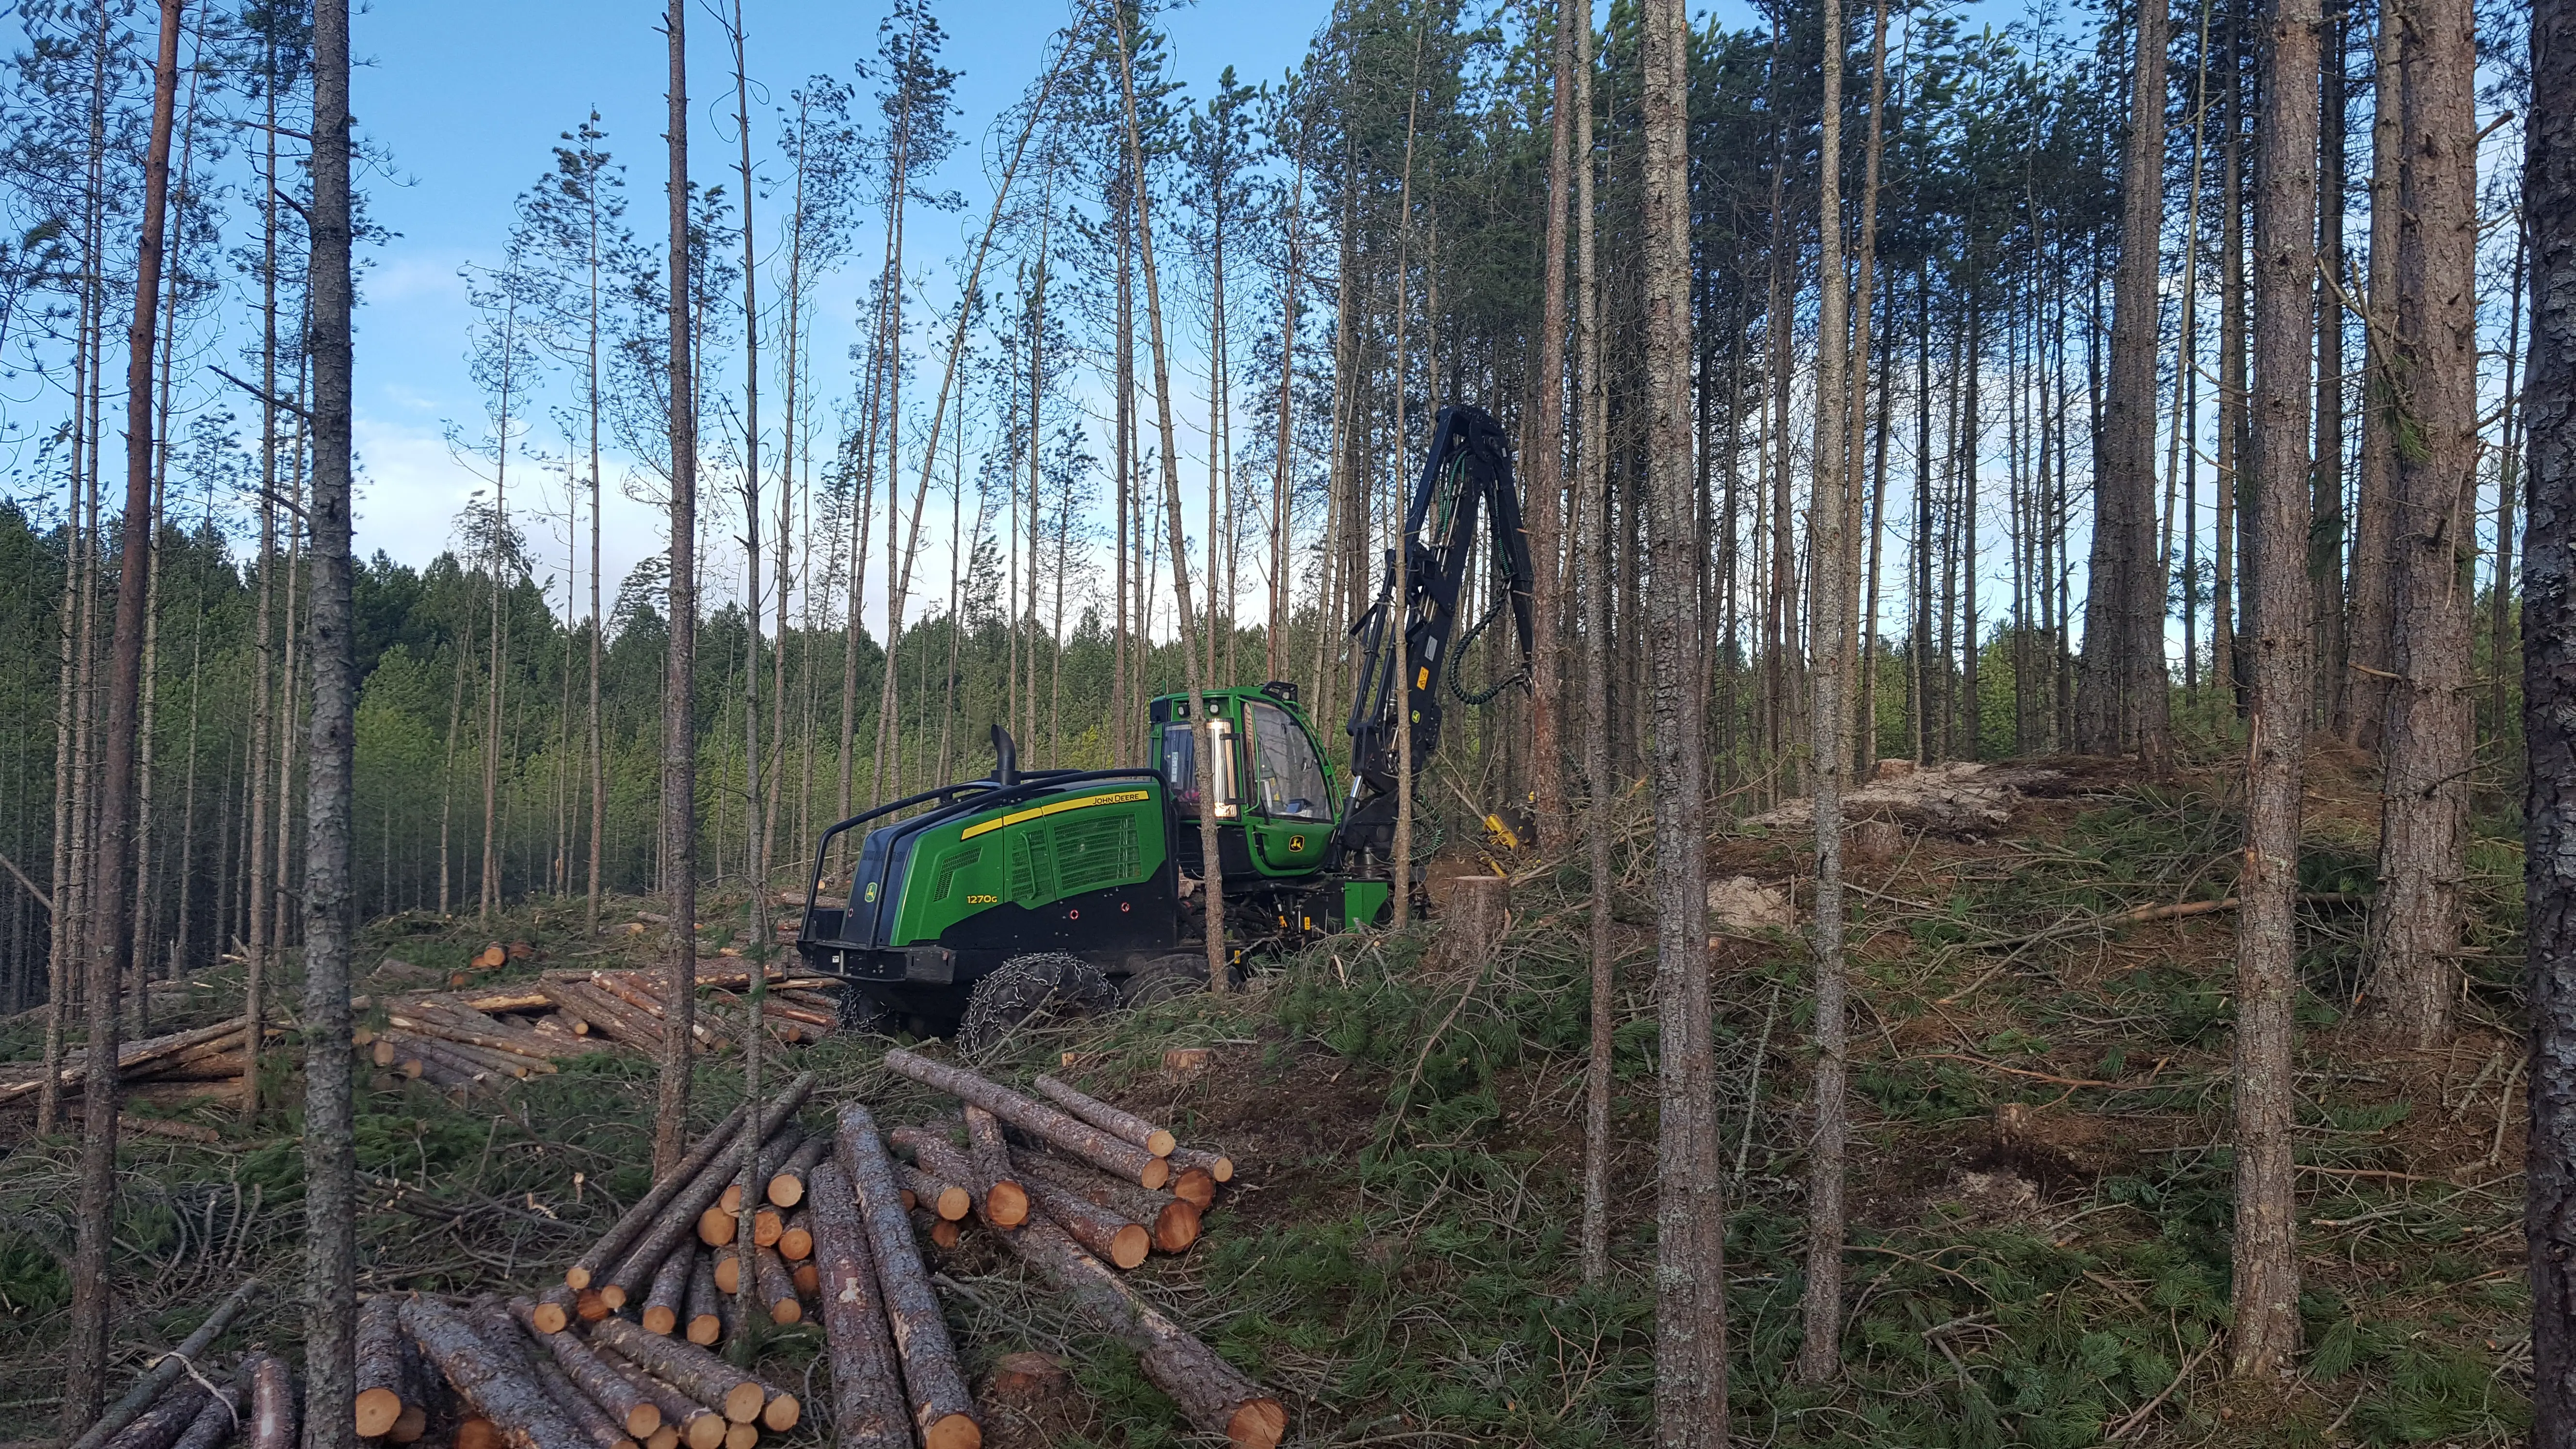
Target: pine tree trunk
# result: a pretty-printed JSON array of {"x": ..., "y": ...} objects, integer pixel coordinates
[
  {"x": 679, "y": 727},
  {"x": 330, "y": 907},
  {"x": 1591, "y": 513},
  {"x": 2549, "y": 721},
  {"x": 2120, "y": 703},
  {"x": 111, "y": 930},
  {"x": 2279, "y": 658},
  {"x": 2374, "y": 559},
  {"x": 2427, "y": 752},
  {"x": 1820, "y": 1344},
  {"x": 2326, "y": 536},
  {"x": 1543, "y": 461},
  {"x": 1690, "y": 1217}
]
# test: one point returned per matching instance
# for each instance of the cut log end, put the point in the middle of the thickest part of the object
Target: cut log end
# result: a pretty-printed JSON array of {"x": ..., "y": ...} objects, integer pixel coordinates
[
  {"x": 1258, "y": 1424},
  {"x": 1156, "y": 1173},
  {"x": 409, "y": 1425},
  {"x": 945, "y": 1233},
  {"x": 613, "y": 1296},
  {"x": 643, "y": 1419},
  {"x": 744, "y": 1401},
  {"x": 796, "y": 1245},
  {"x": 1008, "y": 1204},
  {"x": 577, "y": 1277},
  {"x": 703, "y": 1431},
  {"x": 479, "y": 1434},
  {"x": 666, "y": 1437},
  {"x": 379, "y": 1409},
  {"x": 1176, "y": 1227},
  {"x": 592, "y": 1307},
  {"x": 551, "y": 1317},
  {"x": 954, "y": 1204},
  {"x": 741, "y": 1436},
  {"x": 705, "y": 1329},
  {"x": 716, "y": 1227},
  {"x": 956, "y": 1431},
  {"x": 661, "y": 1319},
  {"x": 1129, "y": 1247},
  {"x": 786, "y": 1311},
  {"x": 1222, "y": 1169},
  {"x": 786, "y": 1190},
  {"x": 1195, "y": 1186},
  {"x": 1160, "y": 1142},
  {"x": 808, "y": 1278},
  {"x": 767, "y": 1226},
  {"x": 782, "y": 1413}
]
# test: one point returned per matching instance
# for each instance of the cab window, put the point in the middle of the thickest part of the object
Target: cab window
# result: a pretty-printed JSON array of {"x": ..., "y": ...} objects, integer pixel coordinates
[{"x": 1287, "y": 779}]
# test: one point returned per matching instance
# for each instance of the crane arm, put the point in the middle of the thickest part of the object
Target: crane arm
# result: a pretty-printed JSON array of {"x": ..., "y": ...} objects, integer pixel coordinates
[{"x": 1466, "y": 472}]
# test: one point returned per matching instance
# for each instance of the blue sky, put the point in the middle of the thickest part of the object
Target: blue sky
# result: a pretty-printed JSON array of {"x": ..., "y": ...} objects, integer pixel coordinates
[{"x": 467, "y": 98}]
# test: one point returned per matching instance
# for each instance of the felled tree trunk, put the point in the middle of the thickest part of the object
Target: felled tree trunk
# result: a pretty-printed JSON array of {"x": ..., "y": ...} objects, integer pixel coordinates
[
  {"x": 690, "y": 1369},
  {"x": 1156, "y": 1140},
  {"x": 691, "y": 1422},
  {"x": 272, "y": 1405},
  {"x": 1099, "y": 1230},
  {"x": 1105, "y": 1150},
  {"x": 1173, "y": 1222},
  {"x": 380, "y": 1365},
  {"x": 936, "y": 1390},
  {"x": 493, "y": 1379},
  {"x": 160, "y": 1426},
  {"x": 606, "y": 1253},
  {"x": 1213, "y": 1395},
  {"x": 633, "y": 1409}
]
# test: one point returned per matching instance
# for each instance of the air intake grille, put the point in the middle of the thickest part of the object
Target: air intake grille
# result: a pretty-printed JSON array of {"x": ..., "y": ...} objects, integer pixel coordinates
[
  {"x": 943, "y": 878},
  {"x": 1094, "y": 853}
]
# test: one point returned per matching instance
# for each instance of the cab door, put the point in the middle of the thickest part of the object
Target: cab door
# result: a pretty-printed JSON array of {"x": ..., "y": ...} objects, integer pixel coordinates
[{"x": 1291, "y": 796}]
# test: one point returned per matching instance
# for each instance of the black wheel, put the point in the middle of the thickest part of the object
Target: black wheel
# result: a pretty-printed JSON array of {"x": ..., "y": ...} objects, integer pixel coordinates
[
  {"x": 863, "y": 1011},
  {"x": 1164, "y": 978},
  {"x": 1034, "y": 990}
]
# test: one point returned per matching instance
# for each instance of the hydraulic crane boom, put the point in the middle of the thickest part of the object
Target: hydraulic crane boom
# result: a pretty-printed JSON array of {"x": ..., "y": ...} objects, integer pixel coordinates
[{"x": 1469, "y": 463}]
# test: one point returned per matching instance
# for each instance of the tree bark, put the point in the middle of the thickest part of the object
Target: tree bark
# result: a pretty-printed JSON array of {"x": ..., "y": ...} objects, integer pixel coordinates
[
  {"x": 1213, "y": 1395},
  {"x": 2278, "y": 651},
  {"x": 942, "y": 1411},
  {"x": 685, "y": 1366},
  {"x": 612, "y": 1246},
  {"x": 1820, "y": 1343},
  {"x": 1102, "y": 1115},
  {"x": 1543, "y": 461},
  {"x": 111, "y": 930},
  {"x": 995, "y": 1179},
  {"x": 2374, "y": 560},
  {"x": 679, "y": 675},
  {"x": 272, "y": 1403},
  {"x": 381, "y": 1372},
  {"x": 866, "y": 1393},
  {"x": 1590, "y": 529},
  {"x": 2427, "y": 745},
  {"x": 1104, "y": 1150},
  {"x": 1690, "y": 1307},
  {"x": 493, "y": 1378},
  {"x": 1173, "y": 1223},
  {"x": 2120, "y": 702},
  {"x": 584, "y": 1367},
  {"x": 2549, "y": 720}
]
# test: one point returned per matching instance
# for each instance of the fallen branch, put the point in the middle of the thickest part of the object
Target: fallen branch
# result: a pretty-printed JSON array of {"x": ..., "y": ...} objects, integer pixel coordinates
[{"x": 166, "y": 1369}]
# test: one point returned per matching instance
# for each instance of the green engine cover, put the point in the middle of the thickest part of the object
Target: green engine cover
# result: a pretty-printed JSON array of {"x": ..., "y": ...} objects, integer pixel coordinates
[{"x": 1030, "y": 855}]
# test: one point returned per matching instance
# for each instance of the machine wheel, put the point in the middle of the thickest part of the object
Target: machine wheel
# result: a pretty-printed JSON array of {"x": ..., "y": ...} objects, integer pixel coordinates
[
  {"x": 1165, "y": 978},
  {"x": 1039, "y": 989},
  {"x": 863, "y": 1012}
]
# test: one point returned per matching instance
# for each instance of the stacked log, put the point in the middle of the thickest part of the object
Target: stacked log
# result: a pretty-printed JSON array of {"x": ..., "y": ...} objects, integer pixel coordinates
[
  {"x": 1173, "y": 1222},
  {"x": 865, "y": 1391},
  {"x": 203, "y": 1053},
  {"x": 492, "y": 1377},
  {"x": 943, "y": 1412},
  {"x": 382, "y": 1373},
  {"x": 166, "y": 1370},
  {"x": 1105, "y": 1150}
]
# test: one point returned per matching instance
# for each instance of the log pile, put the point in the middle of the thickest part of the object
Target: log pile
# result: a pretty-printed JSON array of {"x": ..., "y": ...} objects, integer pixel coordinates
[
  {"x": 203, "y": 1054},
  {"x": 628, "y": 1350}
]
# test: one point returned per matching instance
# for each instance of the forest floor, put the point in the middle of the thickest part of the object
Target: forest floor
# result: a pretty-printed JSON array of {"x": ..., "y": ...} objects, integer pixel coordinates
[{"x": 2040, "y": 1181}]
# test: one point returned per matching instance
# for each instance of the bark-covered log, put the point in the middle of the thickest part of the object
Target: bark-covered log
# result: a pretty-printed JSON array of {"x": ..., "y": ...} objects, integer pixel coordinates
[
  {"x": 787, "y": 1184},
  {"x": 218, "y": 1419},
  {"x": 685, "y": 1366},
  {"x": 684, "y": 1418},
  {"x": 583, "y": 1365},
  {"x": 613, "y": 1246},
  {"x": 160, "y": 1425},
  {"x": 797, "y": 1243},
  {"x": 553, "y": 1309},
  {"x": 493, "y": 1379},
  {"x": 942, "y": 1411},
  {"x": 523, "y": 1047},
  {"x": 705, "y": 1321},
  {"x": 501, "y": 1331},
  {"x": 1101, "y": 1231},
  {"x": 1156, "y": 1140},
  {"x": 604, "y": 1012},
  {"x": 945, "y": 1199},
  {"x": 1005, "y": 1200},
  {"x": 166, "y": 1370},
  {"x": 597, "y": 1425},
  {"x": 670, "y": 1289},
  {"x": 777, "y": 1288},
  {"x": 444, "y": 1063},
  {"x": 380, "y": 1365},
  {"x": 272, "y": 1405},
  {"x": 946, "y": 1162},
  {"x": 1106, "y": 1150},
  {"x": 678, "y": 1217},
  {"x": 1173, "y": 1222},
  {"x": 1215, "y": 1396}
]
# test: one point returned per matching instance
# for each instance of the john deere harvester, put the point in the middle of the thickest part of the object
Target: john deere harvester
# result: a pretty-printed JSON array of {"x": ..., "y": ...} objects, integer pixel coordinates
[{"x": 1084, "y": 883}]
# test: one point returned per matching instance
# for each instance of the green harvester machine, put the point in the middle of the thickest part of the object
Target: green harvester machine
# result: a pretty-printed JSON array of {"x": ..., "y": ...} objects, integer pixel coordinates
[{"x": 985, "y": 902}]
